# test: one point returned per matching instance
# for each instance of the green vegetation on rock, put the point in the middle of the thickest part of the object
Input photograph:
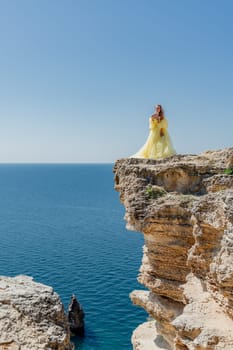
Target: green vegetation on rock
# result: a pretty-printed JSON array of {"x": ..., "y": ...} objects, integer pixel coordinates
[
  {"x": 228, "y": 171},
  {"x": 154, "y": 192}
]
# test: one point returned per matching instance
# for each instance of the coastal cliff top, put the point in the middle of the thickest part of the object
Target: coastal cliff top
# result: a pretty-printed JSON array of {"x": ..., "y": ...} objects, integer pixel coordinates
[{"x": 222, "y": 158}]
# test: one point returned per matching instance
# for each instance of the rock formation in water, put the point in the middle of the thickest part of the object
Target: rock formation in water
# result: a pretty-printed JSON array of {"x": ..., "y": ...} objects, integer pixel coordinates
[
  {"x": 76, "y": 317},
  {"x": 184, "y": 207},
  {"x": 31, "y": 316}
]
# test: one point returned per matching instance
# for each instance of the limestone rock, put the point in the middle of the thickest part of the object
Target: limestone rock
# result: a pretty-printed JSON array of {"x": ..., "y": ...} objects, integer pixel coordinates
[
  {"x": 31, "y": 316},
  {"x": 145, "y": 337},
  {"x": 184, "y": 207}
]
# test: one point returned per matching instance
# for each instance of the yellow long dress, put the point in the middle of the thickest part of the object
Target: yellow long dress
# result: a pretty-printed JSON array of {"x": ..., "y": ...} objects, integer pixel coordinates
[{"x": 156, "y": 146}]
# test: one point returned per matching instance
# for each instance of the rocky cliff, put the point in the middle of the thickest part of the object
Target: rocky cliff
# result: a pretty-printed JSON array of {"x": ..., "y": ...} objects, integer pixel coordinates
[
  {"x": 31, "y": 316},
  {"x": 183, "y": 205}
]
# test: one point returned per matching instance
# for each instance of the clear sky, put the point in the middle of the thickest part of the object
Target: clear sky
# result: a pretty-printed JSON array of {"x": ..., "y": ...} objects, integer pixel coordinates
[{"x": 79, "y": 78}]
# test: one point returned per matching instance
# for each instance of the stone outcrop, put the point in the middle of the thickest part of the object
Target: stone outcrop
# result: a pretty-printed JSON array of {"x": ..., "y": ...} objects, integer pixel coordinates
[
  {"x": 31, "y": 316},
  {"x": 184, "y": 207},
  {"x": 76, "y": 317}
]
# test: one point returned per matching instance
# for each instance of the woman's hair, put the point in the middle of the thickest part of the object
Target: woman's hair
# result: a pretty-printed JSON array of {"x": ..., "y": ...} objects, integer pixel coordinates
[{"x": 161, "y": 113}]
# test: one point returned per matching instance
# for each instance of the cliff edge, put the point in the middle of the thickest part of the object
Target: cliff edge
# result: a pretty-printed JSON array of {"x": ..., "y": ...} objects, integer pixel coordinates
[
  {"x": 183, "y": 205},
  {"x": 31, "y": 316}
]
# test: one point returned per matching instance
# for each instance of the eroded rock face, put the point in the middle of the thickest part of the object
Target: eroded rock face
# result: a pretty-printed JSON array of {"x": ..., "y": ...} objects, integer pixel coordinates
[
  {"x": 184, "y": 207},
  {"x": 31, "y": 316}
]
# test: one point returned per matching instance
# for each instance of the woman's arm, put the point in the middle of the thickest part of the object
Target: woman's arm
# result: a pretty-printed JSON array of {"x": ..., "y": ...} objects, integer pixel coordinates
[
  {"x": 161, "y": 132},
  {"x": 163, "y": 127},
  {"x": 157, "y": 117}
]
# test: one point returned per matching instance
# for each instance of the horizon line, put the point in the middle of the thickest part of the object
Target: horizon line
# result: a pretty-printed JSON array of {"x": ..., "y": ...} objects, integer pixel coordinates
[{"x": 53, "y": 163}]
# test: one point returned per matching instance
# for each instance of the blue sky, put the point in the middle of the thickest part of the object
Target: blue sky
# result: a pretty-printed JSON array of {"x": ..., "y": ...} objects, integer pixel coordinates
[{"x": 79, "y": 78}]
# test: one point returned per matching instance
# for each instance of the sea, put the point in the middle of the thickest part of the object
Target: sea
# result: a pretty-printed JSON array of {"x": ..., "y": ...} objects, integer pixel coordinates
[{"x": 63, "y": 225}]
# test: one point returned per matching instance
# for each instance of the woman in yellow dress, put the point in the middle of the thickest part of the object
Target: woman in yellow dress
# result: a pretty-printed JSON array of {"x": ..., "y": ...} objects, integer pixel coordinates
[{"x": 158, "y": 143}]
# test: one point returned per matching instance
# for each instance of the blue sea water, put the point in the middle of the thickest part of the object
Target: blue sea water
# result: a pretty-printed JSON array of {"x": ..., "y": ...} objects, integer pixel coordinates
[{"x": 63, "y": 225}]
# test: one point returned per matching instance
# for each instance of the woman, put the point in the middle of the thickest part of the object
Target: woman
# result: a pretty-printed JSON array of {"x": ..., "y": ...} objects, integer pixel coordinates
[{"x": 158, "y": 143}]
